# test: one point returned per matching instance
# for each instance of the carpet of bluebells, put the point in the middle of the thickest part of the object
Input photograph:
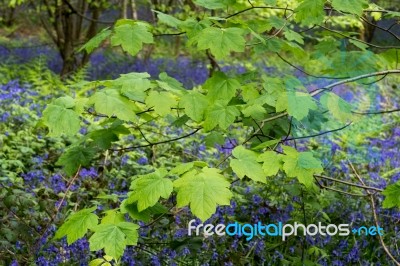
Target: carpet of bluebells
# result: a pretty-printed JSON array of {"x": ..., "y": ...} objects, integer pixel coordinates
[{"x": 32, "y": 186}]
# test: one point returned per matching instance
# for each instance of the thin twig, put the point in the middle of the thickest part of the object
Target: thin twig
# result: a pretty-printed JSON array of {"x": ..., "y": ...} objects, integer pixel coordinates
[
  {"x": 339, "y": 191},
  {"x": 376, "y": 112},
  {"x": 157, "y": 143},
  {"x": 358, "y": 40},
  {"x": 348, "y": 183},
  {"x": 375, "y": 215},
  {"x": 374, "y": 74},
  {"x": 52, "y": 218},
  {"x": 318, "y": 134},
  {"x": 304, "y": 72}
]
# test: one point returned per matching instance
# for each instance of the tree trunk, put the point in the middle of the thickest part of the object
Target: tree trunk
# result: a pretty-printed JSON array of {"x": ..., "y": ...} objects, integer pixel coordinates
[
  {"x": 67, "y": 21},
  {"x": 91, "y": 33},
  {"x": 368, "y": 30},
  {"x": 134, "y": 11},
  {"x": 124, "y": 9}
]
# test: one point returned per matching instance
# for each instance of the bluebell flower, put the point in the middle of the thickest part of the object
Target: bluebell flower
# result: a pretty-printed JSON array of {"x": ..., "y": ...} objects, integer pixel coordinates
[{"x": 142, "y": 161}]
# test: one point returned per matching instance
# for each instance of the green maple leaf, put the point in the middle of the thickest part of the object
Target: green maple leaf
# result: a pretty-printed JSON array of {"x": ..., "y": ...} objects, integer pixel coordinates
[
  {"x": 272, "y": 162},
  {"x": 351, "y": 6},
  {"x": 182, "y": 168},
  {"x": 147, "y": 189},
  {"x": 291, "y": 35},
  {"x": 131, "y": 37},
  {"x": 214, "y": 4},
  {"x": 65, "y": 101},
  {"x": 339, "y": 108},
  {"x": 110, "y": 102},
  {"x": 169, "y": 83},
  {"x": 145, "y": 216},
  {"x": 114, "y": 238},
  {"x": 77, "y": 224},
  {"x": 220, "y": 114},
  {"x": 219, "y": 86},
  {"x": 221, "y": 42},
  {"x": 310, "y": 12},
  {"x": 297, "y": 104},
  {"x": 133, "y": 85},
  {"x": 392, "y": 196},
  {"x": 103, "y": 138},
  {"x": 74, "y": 157},
  {"x": 214, "y": 138},
  {"x": 61, "y": 120},
  {"x": 203, "y": 191},
  {"x": 167, "y": 19},
  {"x": 256, "y": 111},
  {"x": 302, "y": 165},
  {"x": 112, "y": 217},
  {"x": 195, "y": 105},
  {"x": 161, "y": 102},
  {"x": 96, "y": 40},
  {"x": 246, "y": 164}
]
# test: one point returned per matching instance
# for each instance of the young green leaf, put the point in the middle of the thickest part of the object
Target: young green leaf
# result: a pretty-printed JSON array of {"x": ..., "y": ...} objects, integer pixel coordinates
[
  {"x": 246, "y": 164},
  {"x": 182, "y": 168},
  {"x": 291, "y": 35},
  {"x": 221, "y": 87},
  {"x": 145, "y": 216},
  {"x": 221, "y": 42},
  {"x": 161, "y": 102},
  {"x": 272, "y": 162},
  {"x": 220, "y": 114},
  {"x": 147, "y": 189},
  {"x": 195, "y": 105},
  {"x": 112, "y": 217},
  {"x": 350, "y": 6},
  {"x": 203, "y": 191},
  {"x": 392, "y": 196},
  {"x": 339, "y": 108},
  {"x": 61, "y": 120},
  {"x": 103, "y": 138},
  {"x": 114, "y": 238},
  {"x": 96, "y": 41},
  {"x": 110, "y": 102},
  {"x": 214, "y": 138},
  {"x": 133, "y": 85},
  {"x": 255, "y": 111},
  {"x": 213, "y": 4},
  {"x": 310, "y": 12},
  {"x": 302, "y": 165},
  {"x": 131, "y": 37},
  {"x": 297, "y": 104},
  {"x": 169, "y": 83},
  {"x": 77, "y": 224},
  {"x": 167, "y": 19},
  {"x": 74, "y": 157}
]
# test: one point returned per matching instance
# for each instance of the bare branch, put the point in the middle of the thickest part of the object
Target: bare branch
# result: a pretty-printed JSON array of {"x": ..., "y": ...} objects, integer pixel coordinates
[
  {"x": 157, "y": 143},
  {"x": 318, "y": 134},
  {"x": 349, "y": 183}
]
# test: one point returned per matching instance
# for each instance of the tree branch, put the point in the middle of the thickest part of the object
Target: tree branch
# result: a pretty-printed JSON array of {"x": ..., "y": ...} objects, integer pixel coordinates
[
  {"x": 380, "y": 73},
  {"x": 318, "y": 134},
  {"x": 157, "y": 143},
  {"x": 304, "y": 72},
  {"x": 376, "y": 112},
  {"x": 375, "y": 215},
  {"x": 349, "y": 183},
  {"x": 358, "y": 40},
  {"x": 85, "y": 17}
]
